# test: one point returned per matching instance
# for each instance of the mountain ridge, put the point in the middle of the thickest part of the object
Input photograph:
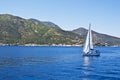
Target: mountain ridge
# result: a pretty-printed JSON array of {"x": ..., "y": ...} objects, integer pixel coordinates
[
  {"x": 47, "y": 23},
  {"x": 20, "y": 31},
  {"x": 98, "y": 38}
]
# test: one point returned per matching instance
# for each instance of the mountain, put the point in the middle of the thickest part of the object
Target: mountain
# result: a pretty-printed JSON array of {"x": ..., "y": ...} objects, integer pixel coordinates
[
  {"x": 51, "y": 24},
  {"x": 98, "y": 38},
  {"x": 20, "y": 31},
  {"x": 47, "y": 23}
]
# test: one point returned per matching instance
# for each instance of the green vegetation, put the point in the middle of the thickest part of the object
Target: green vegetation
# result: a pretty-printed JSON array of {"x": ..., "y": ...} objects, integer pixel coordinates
[
  {"x": 98, "y": 38},
  {"x": 18, "y": 31}
]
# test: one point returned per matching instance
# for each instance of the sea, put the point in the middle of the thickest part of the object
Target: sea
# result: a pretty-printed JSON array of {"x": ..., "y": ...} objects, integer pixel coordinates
[{"x": 58, "y": 63}]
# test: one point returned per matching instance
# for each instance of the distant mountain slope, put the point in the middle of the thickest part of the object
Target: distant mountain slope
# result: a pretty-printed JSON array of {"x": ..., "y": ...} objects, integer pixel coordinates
[
  {"x": 20, "y": 31},
  {"x": 16, "y": 30},
  {"x": 98, "y": 38},
  {"x": 47, "y": 23},
  {"x": 51, "y": 24}
]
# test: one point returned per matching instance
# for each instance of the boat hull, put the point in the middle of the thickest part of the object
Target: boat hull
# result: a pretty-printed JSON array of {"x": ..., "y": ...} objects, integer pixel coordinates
[{"x": 91, "y": 54}]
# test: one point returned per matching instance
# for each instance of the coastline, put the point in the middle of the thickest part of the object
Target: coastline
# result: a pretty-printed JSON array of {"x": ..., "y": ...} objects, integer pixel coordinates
[
  {"x": 1, "y": 44},
  {"x": 36, "y": 45}
]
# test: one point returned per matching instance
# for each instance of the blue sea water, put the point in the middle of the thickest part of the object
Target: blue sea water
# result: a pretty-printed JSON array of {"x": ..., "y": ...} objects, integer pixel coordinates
[{"x": 58, "y": 63}]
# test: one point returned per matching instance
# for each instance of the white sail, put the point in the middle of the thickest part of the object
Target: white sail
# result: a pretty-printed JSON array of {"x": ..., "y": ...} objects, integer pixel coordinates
[
  {"x": 88, "y": 43},
  {"x": 91, "y": 43}
]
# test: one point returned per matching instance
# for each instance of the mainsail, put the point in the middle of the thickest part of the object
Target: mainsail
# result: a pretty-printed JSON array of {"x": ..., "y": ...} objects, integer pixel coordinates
[{"x": 88, "y": 43}]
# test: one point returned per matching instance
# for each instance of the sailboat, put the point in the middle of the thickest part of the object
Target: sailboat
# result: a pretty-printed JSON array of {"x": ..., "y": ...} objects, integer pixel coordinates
[{"x": 88, "y": 47}]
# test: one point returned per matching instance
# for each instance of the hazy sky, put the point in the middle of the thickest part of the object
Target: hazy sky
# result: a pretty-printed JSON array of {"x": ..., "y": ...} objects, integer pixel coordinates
[{"x": 69, "y": 14}]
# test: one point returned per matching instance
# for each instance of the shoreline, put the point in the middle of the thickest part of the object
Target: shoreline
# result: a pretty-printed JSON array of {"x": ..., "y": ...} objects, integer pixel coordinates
[
  {"x": 34, "y": 45},
  {"x": 41, "y": 45}
]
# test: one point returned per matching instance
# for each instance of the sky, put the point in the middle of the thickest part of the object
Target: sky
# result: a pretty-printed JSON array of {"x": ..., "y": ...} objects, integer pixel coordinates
[{"x": 104, "y": 15}]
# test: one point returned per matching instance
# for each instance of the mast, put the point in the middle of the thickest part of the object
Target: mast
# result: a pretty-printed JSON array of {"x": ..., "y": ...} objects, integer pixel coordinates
[
  {"x": 90, "y": 38},
  {"x": 89, "y": 35}
]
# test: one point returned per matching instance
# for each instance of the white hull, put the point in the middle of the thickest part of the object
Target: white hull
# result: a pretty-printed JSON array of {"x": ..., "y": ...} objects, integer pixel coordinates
[{"x": 92, "y": 54}]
